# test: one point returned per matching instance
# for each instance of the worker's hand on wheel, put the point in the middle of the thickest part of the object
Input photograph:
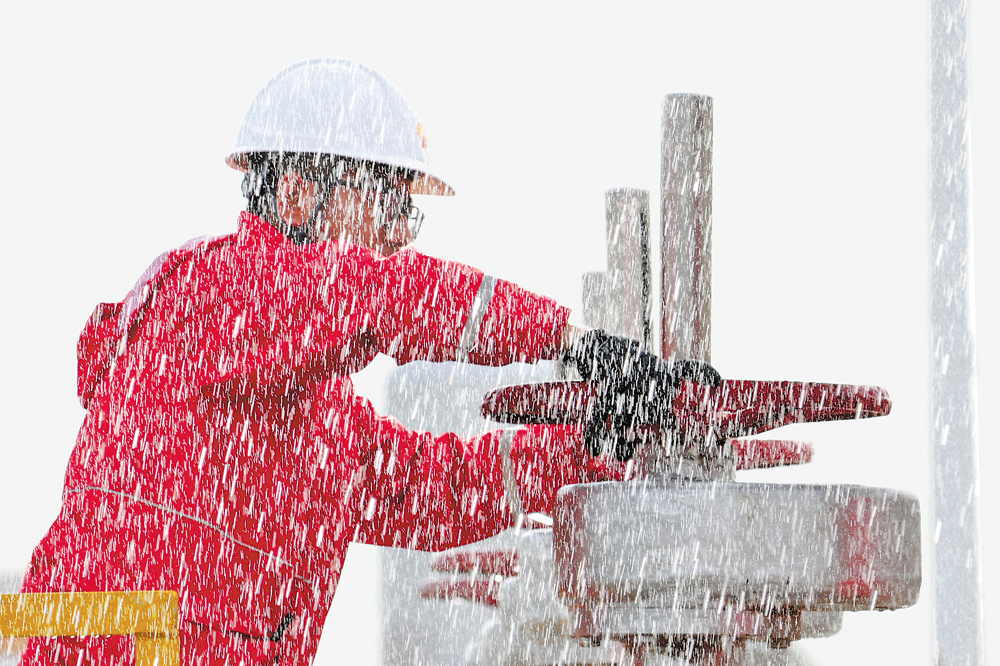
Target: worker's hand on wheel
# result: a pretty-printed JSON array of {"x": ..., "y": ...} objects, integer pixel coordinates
[
  {"x": 600, "y": 356},
  {"x": 635, "y": 389}
]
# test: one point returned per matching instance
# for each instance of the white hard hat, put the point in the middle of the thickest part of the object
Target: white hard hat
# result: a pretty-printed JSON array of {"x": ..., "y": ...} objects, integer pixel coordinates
[{"x": 336, "y": 107}]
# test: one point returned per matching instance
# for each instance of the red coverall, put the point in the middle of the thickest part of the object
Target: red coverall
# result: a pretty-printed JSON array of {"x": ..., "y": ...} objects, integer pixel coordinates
[{"x": 224, "y": 454}]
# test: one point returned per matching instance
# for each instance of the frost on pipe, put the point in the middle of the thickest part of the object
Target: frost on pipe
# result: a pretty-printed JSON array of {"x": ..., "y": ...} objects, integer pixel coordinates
[
  {"x": 958, "y": 629},
  {"x": 686, "y": 227},
  {"x": 618, "y": 300}
]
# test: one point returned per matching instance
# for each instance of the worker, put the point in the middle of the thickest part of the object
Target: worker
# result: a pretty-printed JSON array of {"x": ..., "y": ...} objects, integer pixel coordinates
[{"x": 224, "y": 453}]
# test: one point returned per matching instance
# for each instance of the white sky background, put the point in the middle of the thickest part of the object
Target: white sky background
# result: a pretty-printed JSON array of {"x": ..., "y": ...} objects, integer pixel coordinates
[{"x": 116, "y": 118}]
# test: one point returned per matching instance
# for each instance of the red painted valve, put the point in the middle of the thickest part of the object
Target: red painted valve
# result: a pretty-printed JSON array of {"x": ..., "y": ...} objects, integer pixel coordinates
[
  {"x": 735, "y": 408},
  {"x": 476, "y": 574}
]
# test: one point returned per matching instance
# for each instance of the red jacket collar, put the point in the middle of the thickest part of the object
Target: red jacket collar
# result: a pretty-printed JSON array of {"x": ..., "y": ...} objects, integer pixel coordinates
[{"x": 252, "y": 227}]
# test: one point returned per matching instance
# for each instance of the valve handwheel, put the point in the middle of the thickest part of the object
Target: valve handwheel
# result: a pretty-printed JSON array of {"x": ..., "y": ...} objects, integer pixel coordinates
[{"x": 697, "y": 412}]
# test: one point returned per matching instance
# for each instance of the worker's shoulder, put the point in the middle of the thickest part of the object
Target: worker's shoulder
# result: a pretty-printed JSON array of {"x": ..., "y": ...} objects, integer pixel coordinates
[
  {"x": 203, "y": 247},
  {"x": 205, "y": 244},
  {"x": 168, "y": 263}
]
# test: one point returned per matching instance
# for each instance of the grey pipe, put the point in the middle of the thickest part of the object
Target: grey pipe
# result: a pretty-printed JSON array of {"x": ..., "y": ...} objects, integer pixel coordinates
[
  {"x": 958, "y": 622},
  {"x": 686, "y": 224}
]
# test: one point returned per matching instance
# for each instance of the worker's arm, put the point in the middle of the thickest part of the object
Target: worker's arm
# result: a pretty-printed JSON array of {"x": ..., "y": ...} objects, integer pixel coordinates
[
  {"x": 324, "y": 310},
  {"x": 425, "y": 308},
  {"x": 431, "y": 493},
  {"x": 318, "y": 318}
]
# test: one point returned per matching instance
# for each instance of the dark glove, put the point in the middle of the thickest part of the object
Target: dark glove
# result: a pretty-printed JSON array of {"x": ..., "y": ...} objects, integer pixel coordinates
[{"x": 635, "y": 388}]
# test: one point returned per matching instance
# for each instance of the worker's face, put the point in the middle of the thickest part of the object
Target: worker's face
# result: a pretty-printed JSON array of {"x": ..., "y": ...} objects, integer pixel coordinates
[{"x": 367, "y": 211}]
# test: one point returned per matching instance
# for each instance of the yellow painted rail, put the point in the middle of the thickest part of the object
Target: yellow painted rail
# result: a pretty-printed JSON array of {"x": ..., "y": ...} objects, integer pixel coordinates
[{"x": 151, "y": 616}]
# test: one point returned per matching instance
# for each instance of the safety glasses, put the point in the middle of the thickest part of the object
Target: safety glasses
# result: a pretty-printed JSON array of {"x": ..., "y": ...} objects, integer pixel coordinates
[{"x": 392, "y": 206}]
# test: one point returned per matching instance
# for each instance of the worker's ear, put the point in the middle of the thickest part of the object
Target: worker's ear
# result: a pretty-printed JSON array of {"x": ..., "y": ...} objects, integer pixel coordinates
[{"x": 295, "y": 198}]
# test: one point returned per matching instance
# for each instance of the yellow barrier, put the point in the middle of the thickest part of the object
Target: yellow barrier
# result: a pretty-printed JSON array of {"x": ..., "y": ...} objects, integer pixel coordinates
[{"x": 150, "y": 616}]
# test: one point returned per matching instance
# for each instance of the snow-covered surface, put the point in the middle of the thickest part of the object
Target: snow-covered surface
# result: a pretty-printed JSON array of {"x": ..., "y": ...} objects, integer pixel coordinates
[{"x": 117, "y": 118}]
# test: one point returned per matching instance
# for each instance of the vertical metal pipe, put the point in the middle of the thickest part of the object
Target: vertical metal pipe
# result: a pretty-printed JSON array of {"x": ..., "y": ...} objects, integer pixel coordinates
[
  {"x": 958, "y": 627},
  {"x": 628, "y": 255},
  {"x": 618, "y": 300},
  {"x": 686, "y": 222}
]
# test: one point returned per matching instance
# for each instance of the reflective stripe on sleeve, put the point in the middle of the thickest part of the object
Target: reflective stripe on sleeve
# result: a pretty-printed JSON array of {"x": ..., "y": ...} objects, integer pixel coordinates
[
  {"x": 479, "y": 306},
  {"x": 166, "y": 509},
  {"x": 507, "y": 469}
]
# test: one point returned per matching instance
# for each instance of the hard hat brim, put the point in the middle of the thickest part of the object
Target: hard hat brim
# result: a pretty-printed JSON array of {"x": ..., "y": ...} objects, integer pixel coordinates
[{"x": 423, "y": 182}]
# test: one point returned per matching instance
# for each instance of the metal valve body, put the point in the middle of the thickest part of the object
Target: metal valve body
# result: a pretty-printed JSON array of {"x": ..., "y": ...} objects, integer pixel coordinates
[{"x": 684, "y": 550}]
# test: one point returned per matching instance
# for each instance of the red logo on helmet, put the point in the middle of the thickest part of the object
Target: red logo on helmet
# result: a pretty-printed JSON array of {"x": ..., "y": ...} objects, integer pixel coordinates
[{"x": 423, "y": 137}]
